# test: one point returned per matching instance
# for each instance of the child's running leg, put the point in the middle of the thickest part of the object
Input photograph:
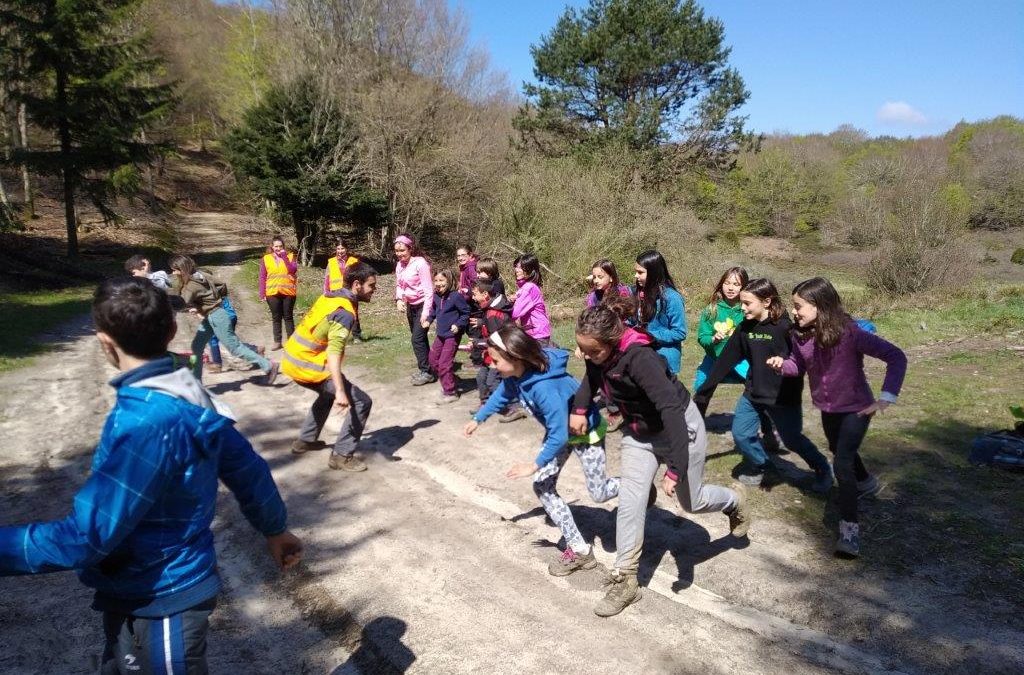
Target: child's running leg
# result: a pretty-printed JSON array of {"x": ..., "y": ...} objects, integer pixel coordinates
[
  {"x": 544, "y": 487},
  {"x": 215, "y": 357},
  {"x": 845, "y": 432},
  {"x": 176, "y": 643},
  {"x": 445, "y": 367},
  {"x": 592, "y": 459},
  {"x": 202, "y": 337},
  {"x": 221, "y": 323},
  {"x": 746, "y": 423},
  {"x": 693, "y": 494},
  {"x": 789, "y": 421}
]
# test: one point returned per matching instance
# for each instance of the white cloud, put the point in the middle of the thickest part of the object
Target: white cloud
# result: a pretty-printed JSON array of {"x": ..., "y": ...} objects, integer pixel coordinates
[{"x": 900, "y": 113}]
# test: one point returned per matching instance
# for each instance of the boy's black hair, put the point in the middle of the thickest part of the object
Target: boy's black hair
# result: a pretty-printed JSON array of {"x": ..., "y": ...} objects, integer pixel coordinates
[
  {"x": 484, "y": 286},
  {"x": 136, "y": 262},
  {"x": 135, "y": 314},
  {"x": 359, "y": 272}
]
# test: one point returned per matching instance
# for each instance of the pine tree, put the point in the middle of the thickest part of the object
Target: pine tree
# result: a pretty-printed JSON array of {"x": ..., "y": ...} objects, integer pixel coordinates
[
  {"x": 86, "y": 80},
  {"x": 650, "y": 76}
]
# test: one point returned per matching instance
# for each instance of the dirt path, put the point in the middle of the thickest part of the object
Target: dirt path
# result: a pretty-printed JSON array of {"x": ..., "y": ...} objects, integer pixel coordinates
[{"x": 431, "y": 561}]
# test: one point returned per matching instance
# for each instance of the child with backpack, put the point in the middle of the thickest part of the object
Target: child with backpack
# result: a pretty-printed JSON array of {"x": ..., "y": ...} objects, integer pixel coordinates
[
  {"x": 537, "y": 377},
  {"x": 451, "y": 311},
  {"x": 139, "y": 531},
  {"x": 763, "y": 334},
  {"x": 830, "y": 347},
  {"x": 661, "y": 423},
  {"x": 496, "y": 313},
  {"x": 203, "y": 295}
]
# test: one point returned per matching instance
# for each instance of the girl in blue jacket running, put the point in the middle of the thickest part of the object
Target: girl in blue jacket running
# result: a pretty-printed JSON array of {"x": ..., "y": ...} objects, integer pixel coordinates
[{"x": 536, "y": 376}]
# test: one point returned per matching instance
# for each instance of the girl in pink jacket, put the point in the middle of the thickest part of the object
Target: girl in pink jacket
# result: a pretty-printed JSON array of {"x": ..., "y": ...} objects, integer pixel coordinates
[{"x": 529, "y": 310}]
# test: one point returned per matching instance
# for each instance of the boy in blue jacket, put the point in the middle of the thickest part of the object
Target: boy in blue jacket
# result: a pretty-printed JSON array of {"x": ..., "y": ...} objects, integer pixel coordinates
[{"x": 139, "y": 530}]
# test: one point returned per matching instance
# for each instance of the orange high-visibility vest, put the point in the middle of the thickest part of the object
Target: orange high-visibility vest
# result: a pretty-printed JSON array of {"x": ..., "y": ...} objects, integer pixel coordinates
[
  {"x": 335, "y": 275},
  {"x": 305, "y": 357},
  {"x": 279, "y": 281}
]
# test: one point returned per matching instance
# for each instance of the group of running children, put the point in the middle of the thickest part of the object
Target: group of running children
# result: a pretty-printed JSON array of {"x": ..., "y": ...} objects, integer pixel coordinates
[{"x": 168, "y": 440}]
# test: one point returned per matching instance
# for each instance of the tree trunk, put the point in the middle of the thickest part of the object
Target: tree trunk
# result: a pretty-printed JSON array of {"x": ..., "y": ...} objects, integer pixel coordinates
[
  {"x": 149, "y": 177},
  {"x": 66, "y": 160},
  {"x": 26, "y": 177}
]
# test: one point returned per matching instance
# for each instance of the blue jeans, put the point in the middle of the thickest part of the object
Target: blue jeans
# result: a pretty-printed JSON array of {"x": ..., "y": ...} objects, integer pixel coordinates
[
  {"x": 788, "y": 420},
  {"x": 218, "y": 323},
  {"x": 214, "y": 342}
]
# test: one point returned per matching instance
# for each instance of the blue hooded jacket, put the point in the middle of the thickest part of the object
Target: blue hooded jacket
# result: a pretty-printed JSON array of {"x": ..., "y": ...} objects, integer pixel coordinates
[
  {"x": 668, "y": 328},
  {"x": 139, "y": 531},
  {"x": 548, "y": 396}
]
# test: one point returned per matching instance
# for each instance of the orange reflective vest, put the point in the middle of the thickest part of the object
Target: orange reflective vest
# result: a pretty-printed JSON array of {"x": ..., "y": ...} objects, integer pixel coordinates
[
  {"x": 279, "y": 281},
  {"x": 336, "y": 275},
  {"x": 305, "y": 356}
]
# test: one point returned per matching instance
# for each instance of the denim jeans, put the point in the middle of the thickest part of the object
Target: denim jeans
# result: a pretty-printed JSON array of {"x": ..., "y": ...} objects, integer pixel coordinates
[
  {"x": 219, "y": 322},
  {"x": 788, "y": 420}
]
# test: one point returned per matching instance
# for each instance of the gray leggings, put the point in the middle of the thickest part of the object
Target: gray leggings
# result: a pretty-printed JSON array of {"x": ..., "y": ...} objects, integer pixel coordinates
[
  {"x": 599, "y": 485},
  {"x": 640, "y": 465}
]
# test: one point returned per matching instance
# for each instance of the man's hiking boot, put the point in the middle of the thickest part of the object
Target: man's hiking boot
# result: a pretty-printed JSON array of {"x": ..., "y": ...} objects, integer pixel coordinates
[
  {"x": 822, "y": 481},
  {"x": 213, "y": 368},
  {"x": 740, "y": 516},
  {"x": 869, "y": 487},
  {"x": 570, "y": 561},
  {"x": 301, "y": 447},
  {"x": 623, "y": 591},
  {"x": 271, "y": 374},
  {"x": 349, "y": 463},
  {"x": 848, "y": 544},
  {"x": 517, "y": 413}
]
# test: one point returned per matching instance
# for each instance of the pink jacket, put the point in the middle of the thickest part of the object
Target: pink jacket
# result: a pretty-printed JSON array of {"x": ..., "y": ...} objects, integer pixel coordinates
[
  {"x": 414, "y": 284},
  {"x": 530, "y": 311}
]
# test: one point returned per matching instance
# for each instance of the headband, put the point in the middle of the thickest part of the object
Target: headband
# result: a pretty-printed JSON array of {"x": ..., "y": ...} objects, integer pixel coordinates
[
  {"x": 495, "y": 340},
  {"x": 402, "y": 239}
]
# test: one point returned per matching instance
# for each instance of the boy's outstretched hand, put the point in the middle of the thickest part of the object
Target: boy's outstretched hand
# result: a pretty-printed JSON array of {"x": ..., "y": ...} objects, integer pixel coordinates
[{"x": 285, "y": 549}]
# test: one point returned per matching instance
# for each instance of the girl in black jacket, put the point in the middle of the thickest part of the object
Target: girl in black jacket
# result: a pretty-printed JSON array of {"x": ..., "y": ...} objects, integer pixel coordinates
[{"x": 659, "y": 422}]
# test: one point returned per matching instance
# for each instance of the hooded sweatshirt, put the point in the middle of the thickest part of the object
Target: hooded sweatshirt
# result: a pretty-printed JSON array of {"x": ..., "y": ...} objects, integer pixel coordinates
[
  {"x": 726, "y": 315},
  {"x": 449, "y": 310},
  {"x": 668, "y": 327},
  {"x": 201, "y": 292},
  {"x": 139, "y": 530},
  {"x": 530, "y": 311},
  {"x": 650, "y": 397},
  {"x": 548, "y": 396},
  {"x": 756, "y": 342}
]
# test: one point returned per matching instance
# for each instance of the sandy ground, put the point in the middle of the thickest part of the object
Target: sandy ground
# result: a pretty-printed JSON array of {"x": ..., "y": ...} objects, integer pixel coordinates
[{"x": 432, "y": 561}]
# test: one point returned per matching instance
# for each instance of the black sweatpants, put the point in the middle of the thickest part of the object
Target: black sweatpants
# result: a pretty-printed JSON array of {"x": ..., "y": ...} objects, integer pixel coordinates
[
  {"x": 420, "y": 344},
  {"x": 845, "y": 432},
  {"x": 282, "y": 308},
  {"x": 171, "y": 644}
]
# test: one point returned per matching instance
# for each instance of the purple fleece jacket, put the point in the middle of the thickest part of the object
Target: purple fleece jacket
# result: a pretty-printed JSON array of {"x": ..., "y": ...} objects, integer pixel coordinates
[{"x": 836, "y": 374}]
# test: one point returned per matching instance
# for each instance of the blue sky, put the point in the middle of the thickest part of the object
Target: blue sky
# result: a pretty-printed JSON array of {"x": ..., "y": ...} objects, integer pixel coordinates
[{"x": 897, "y": 67}]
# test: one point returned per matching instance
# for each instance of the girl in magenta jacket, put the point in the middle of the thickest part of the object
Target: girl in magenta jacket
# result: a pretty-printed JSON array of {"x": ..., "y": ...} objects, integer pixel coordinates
[
  {"x": 529, "y": 310},
  {"x": 830, "y": 347},
  {"x": 414, "y": 291}
]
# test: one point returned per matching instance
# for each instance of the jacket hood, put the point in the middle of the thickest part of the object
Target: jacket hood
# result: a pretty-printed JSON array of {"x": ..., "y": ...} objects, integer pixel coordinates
[
  {"x": 557, "y": 361},
  {"x": 633, "y": 337},
  {"x": 183, "y": 385}
]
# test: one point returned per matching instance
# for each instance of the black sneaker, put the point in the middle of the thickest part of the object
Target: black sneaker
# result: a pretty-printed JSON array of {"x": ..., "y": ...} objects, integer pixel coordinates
[{"x": 869, "y": 487}]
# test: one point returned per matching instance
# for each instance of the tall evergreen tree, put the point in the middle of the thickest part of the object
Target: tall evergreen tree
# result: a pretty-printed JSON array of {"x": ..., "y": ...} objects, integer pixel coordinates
[
  {"x": 88, "y": 81},
  {"x": 648, "y": 75}
]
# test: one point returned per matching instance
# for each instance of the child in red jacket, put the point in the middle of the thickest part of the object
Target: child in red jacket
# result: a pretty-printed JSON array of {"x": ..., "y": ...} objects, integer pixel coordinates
[{"x": 496, "y": 313}]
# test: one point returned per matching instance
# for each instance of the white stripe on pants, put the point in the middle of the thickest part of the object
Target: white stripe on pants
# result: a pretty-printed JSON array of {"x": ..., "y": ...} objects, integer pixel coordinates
[{"x": 640, "y": 465}]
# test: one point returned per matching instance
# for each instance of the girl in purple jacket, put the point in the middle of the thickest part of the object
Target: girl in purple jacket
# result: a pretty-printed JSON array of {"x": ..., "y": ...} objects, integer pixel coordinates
[{"x": 829, "y": 346}]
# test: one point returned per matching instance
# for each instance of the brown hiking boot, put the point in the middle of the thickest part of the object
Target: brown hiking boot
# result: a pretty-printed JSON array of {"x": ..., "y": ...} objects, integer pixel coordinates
[
  {"x": 301, "y": 447},
  {"x": 623, "y": 591},
  {"x": 740, "y": 516},
  {"x": 213, "y": 368},
  {"x": 349, "y": 463}
]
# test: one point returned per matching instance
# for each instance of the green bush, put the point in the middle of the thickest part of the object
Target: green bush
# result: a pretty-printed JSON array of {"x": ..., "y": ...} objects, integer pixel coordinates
[{"x": 1018, "y": 257}]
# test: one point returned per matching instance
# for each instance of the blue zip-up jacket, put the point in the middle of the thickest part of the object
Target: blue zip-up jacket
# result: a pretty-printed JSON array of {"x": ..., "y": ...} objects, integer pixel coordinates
[
  {"x": 668, "y": 328},
  {"x": 450, "y": 309},
  {"x": 548, "y": 396},
  {"x": 139, "y": 530}
]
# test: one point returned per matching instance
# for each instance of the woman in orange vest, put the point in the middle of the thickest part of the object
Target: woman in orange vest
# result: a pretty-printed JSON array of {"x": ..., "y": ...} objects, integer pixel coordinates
[
  {"x": 278, "y": 286},
  {"x": 334, "y": 279}
]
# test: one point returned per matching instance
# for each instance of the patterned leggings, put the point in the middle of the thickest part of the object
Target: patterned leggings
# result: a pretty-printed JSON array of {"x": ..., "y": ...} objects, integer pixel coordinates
[{"x": 599, "y": 485}]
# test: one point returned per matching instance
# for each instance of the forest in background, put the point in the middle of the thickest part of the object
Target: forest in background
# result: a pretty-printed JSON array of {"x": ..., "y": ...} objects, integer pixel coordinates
[{"x": 364, "y": 118}]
